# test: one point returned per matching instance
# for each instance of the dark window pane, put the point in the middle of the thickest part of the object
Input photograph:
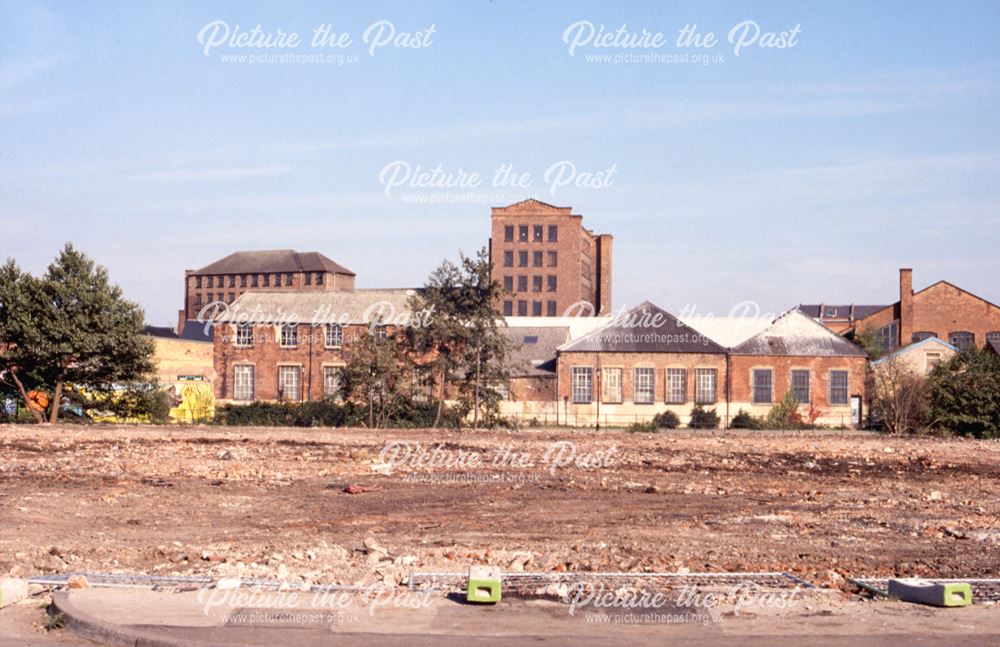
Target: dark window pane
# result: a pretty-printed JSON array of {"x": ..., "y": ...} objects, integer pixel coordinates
[{"x": 508, "y": 233}]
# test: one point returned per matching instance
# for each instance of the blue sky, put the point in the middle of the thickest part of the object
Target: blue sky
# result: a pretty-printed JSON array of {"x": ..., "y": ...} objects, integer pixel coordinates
[{"x": 803, "y": 174}]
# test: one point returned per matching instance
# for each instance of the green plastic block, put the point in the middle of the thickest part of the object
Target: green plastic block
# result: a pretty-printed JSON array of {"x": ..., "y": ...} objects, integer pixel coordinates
[
  {"x": 484, "y": 584},
  {"x": 949, "y": 594}
]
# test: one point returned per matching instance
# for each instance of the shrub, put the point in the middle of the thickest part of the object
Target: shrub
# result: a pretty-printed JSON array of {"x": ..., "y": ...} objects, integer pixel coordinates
[
  {"x": 785, "y": 414},
  {"x": 642, "y": 428},
  {"x": 328, "y": 413},
  {"x": 965, "y": 394},
  {"x": 702, "y": 419},
  {"x": 666, "y": 420},
  {"x": 899, "y": 397},
  {"x": 743, "y": 420}
]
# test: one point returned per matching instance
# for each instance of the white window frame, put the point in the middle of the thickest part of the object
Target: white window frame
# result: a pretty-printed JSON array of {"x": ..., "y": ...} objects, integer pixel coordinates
[
  {"x": 643, "y": 385},
  {"x": 582, "y": 384},
  {"x": 673, "y": 388},
  {"x": 244, "y": 390},
  {"x": 334, "y": 336},
  {"x": 706, "y": 380},
  {"x": 283, "y": 370},
  {"x": 243, "y": 336},
  {"x": 291, "y": 340},
  {"x": 753, "y": 385},
  {"x": 791, "y": 380},
  {"x": 335, "y": 372},
  {"x": 611, "y": 387},
  {"x": 846, "y": 388}
]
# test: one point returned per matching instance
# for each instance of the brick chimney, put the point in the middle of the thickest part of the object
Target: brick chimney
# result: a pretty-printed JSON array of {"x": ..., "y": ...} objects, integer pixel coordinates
[{"x": 905, "y": 306}]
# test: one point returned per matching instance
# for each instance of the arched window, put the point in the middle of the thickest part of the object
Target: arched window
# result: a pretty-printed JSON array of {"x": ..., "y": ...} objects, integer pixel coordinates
[
  {"x": 961, "y": 339},
  {"x": 922, "y": 335},
  {"x": 993, "y": 336}
]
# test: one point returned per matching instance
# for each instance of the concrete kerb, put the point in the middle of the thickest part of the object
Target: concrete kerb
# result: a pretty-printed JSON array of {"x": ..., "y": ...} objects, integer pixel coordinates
[{"x": 87, "y": 626}]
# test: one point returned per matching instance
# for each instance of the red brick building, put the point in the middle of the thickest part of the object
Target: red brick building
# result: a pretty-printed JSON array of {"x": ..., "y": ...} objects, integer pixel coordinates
[
  {"x": 548, "y": 261},
  {"x": 280, "y": 269},
  {"x": 941, "y": 310},
  {"x": 290, "y": 346}
]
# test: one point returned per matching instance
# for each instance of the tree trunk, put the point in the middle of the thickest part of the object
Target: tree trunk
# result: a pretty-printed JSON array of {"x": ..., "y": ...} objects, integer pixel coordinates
[
  {"x": 440, "y": 407},
  {"x": 56, "y": 401},
  {"x": 37, "y": 415},
  {"x": 475, "y": 413}
]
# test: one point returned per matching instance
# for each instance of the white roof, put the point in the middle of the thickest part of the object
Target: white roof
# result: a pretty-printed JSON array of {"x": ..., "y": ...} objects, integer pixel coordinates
[
  {"x": 727, "y": 331},
  {"x": 578, "y": 326}
]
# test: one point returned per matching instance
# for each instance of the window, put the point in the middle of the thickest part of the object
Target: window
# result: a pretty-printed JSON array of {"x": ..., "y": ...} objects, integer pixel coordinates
[
  {"x": 219, "y": 297},
  {"x": 536, "y": 284},
  {"x": 800, "y": 385},
  {"x": 381, "y": 332},
  {"x": 422, "y": 386},
  {"x": 242, "y": 382},
  {"x": 993, "y": 336},
  {"x": 550, "y": 308},
  {"x": 522, "y": 259},
  {"x": 508, "y": 308},
  {"x": 522, "y": 284},
  {"x": 642, "y": 386},
  {"x": 762, "y": 386},
  {"x": 308, "y": 278},
  {"x": 829, "y": 312},
  {"x": 553, "y": 258},
  {"x": 706, "y": 380},
  {"x": 553, "y": 233},
  {"x": 508, "y": 283},
  {"x": 551, "y": 283},
  {"x": 508, "y": 259},
  {"x": 230, "y": 297},
  {"x": 232, "y": 281},
  {"x": 289, "y": 336},
  {"x": 922, "y": 335},
  {"x": 197, "y": 300},
  {"x": 536, "y": 259},
  {"x": 334, "y": 337},
  {"x": 319, "y": 278},
  {"x": 331, "y": 381},
  {"x": 243, "y": 280},
  {"x": 838, "y": 387},
  {"x": 961, "y": 339},
  {"x": 536, "y": 232},
  {"x": 676, "y": 385},
  {"x": 289, "y": 383},
  {"x": 536, "y": 308},
  {"x": 522, "y": 308},
  {"x": 522, "y": 233},
  {"x": 209, "y": 281},
  {"x": 889, "y": 336},
  {"x": 197, "y": 282},
  {"x": 583, "y": 384},
  {"x": 288, "y": 280},
  {"x": 253, "y": 280},
  {"x": 267, "y": 280},
  {"x": 508, "y": 233},
  {"x": 244, "y": 335},
  {"x": 611, "y": 385},
  {"x": 930, "y": 361}
]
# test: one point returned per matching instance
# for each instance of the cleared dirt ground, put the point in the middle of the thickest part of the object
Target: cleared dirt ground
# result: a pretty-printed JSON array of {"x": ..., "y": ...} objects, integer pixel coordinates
[{"x": 272, "y": 503}]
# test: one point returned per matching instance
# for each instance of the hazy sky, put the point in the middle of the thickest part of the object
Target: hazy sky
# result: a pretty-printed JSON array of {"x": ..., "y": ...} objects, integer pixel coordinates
[{"x": 782, "y": 175}]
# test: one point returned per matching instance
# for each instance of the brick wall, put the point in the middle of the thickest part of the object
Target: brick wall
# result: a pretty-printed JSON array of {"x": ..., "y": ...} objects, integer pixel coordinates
[{"x": 210, "y": 294}]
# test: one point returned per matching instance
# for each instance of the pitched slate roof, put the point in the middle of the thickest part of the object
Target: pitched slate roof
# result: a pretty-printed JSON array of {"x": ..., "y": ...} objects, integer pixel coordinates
[
  {"x": 797, "y": 334},
  {"x": 728, "y": 331},
  {"x": 274, "y": 260},
  {"x": 843, "y": 311},
  {"x": 644, "y": 329},
  {"x": 533, "y": 348},
  {"x": 341, "y": 306}
]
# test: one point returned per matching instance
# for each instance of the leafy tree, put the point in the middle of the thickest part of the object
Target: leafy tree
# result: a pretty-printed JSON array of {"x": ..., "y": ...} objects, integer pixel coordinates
[
  {"x": 69, "y": 327},
  {"x": 785, "y": 414},
  {"x": 462, "y": 338},
  {"x": 870, "y": 341},
  {"x": 378, "y": 375},
  {"x": 965, "y": 394}
]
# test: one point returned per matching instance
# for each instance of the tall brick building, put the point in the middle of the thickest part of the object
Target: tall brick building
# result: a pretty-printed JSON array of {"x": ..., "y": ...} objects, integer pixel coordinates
[
  {"x": 279, "y": 269},
  {"x": 549, "y": 262},
  {"x": 941, "y": 310}
]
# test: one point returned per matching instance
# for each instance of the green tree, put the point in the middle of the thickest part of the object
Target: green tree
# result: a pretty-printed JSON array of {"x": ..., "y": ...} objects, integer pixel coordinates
[
  {"x": 378, "y": 375},
  {"x": 870, "y": 341},
  {"x": 462, "y": 338},
  {"x": 69, "y": 327},
  {"x": 965, "y": 394}
]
